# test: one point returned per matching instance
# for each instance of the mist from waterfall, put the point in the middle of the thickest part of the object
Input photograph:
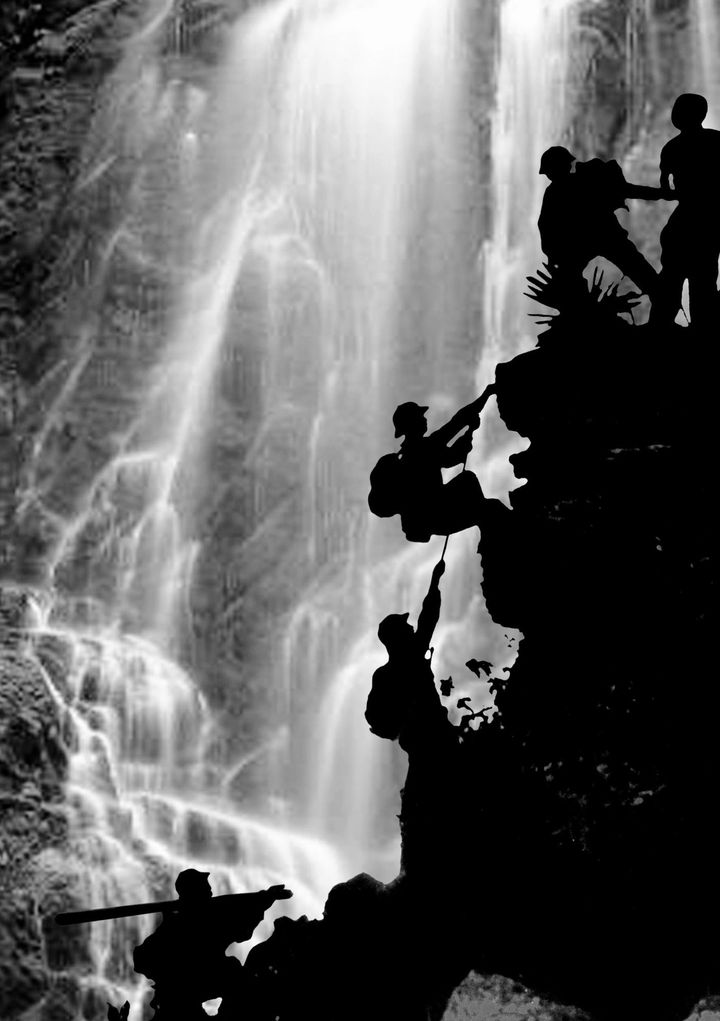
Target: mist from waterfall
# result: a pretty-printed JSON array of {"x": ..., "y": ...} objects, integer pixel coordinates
[
  {"x": 330, "y": 178},
  {"x": 534, "y": 101},
  {"x": 706, "y": 24},
  {"x": 534, "y": 97},
  {"x": 331, "y": 145}
]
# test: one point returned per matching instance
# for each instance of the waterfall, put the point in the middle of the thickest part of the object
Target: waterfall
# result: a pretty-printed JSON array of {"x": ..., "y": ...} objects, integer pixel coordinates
[
  {"x": 321, "y": 237},
  {"x": 324, "y": 200},
  {"x": 533, "y": 105},
  {"x": 706, "y": 24},
  {"x": 532, "y": 111}
]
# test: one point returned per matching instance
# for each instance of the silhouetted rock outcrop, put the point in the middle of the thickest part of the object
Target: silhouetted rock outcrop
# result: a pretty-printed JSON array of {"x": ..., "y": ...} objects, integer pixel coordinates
[
  {"x": 587, "y": 810},
  {"x": 371, "y": 955},
  {"x": 570, "y": 843}
]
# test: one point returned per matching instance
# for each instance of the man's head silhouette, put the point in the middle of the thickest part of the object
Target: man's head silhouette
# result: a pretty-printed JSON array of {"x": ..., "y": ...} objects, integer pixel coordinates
[
  {"x": 394, "y": 631},
  {"x": 193, "y": 886},
  {"x": 689, "y": 111},
  {"x": 556, "y": 162},
  {"x": 409, "y": 419}
]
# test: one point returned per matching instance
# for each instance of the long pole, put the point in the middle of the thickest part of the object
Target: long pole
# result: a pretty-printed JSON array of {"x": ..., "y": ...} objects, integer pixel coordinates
[
  {"x": 121, "y": 911},
  {"x": 156, "y": 907}
]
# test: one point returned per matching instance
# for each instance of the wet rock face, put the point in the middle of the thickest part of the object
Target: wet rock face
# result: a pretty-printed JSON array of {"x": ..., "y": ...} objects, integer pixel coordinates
[
  {"x": 86, "y": 241},
  {"x": 32, "y": 769},
  {"x": 42, "y": 870},
  {"x": 641, "y": 57},
  {"x": 94, "y": 239},
  {"x": 479, "y": 998},
  {"x": 32, "y": 759},
  {"x": 53, "y": 58}
]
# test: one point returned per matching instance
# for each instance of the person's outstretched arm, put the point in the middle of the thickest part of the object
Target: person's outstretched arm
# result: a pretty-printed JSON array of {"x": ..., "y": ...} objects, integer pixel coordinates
[
  {"x": 430, "y": 612},
  {"x": 644, "y": 191},
  {"x": 458, "y": 452},
  {"x": 479, "y": 403},
  {"x": 468, "y": 415}
]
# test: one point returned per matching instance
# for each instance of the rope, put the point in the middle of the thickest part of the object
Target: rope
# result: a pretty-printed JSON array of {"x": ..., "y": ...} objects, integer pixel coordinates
[
  {"x": 442, "y": 555},
  {"x": 447, "y": 537}
]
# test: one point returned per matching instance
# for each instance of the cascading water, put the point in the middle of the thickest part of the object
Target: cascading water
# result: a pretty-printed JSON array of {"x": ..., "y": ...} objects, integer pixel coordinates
[
  {"x": 531, "y": 113},
  {"x": 706, "y": 20},
  {"x": 533, "y": 104},
  {"x": 331, "y": 180},
  {"x": 329, "y": 172}
]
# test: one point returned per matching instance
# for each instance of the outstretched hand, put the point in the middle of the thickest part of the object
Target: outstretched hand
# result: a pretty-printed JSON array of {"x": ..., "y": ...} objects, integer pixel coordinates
[
  {"x": 279, "y": 892},
  {"x": 484, "y": 397},
  {"x": 438, "y": 570}
]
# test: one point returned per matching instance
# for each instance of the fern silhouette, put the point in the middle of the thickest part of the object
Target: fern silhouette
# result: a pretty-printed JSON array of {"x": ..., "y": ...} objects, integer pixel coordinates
[{"x": 572, "y": 297}]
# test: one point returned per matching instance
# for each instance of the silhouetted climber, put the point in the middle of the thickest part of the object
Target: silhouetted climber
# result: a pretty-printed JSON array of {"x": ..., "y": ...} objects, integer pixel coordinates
[
  {"x": 691, "y": 238},
  {"x": 577, "y": 220},
  {"x": 115, "y": 1014},
  {"x": 185, "y": 956},
  {"x": 410, "y": 482},
  {"x": 403, "y": 699}
]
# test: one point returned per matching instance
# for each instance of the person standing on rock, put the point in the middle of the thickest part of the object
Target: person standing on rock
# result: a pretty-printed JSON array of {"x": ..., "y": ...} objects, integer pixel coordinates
[
  {"x": 691, "y": 238},
  {"x": 185, "y": 956},
  {"x": 410, "y": 482}
]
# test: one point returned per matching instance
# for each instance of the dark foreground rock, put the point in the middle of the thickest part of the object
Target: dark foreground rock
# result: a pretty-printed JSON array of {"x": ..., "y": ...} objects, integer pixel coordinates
[
  {"x": 592, "y": 828},
  {"x": 569, "y": 844}
]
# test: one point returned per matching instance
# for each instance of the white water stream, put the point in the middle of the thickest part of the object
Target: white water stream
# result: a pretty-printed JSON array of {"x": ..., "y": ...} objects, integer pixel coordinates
[{"x": 332, "y": 171}]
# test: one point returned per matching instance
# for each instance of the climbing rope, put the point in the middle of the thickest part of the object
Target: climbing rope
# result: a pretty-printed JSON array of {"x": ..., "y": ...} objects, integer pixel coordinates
[
  {"x": 445, "y": 546},
  {"x": 447, "y": 537}
]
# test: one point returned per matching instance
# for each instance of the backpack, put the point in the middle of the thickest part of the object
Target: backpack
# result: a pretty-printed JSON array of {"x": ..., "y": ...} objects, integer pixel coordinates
[
  {"x": 603, "y": 183},
  {"x": 386, "y": 707},
  {"x": 386, "y": 490}
]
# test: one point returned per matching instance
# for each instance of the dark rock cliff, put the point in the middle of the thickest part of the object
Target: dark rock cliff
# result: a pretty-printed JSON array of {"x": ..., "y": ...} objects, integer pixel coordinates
[
  {"x": 586, "y": 805},
  {"x": 569, "y": 844},
  {"x": 53, "y": 61}
]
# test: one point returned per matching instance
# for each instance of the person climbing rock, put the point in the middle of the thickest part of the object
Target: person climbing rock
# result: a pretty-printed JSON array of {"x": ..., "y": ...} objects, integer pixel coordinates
[
  {"x": 403, "y": 703},
  {"x": 410, "y": 482},
  {"x": 577, "y": 220}
]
